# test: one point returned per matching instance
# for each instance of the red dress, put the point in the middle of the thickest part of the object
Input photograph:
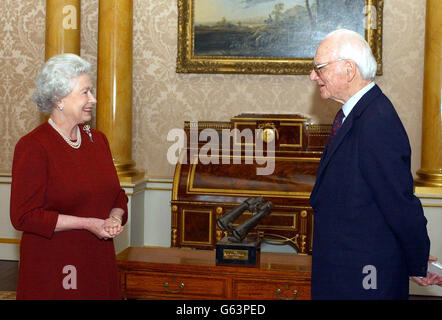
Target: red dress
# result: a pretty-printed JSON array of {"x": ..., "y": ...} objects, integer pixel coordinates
[{"x": 49, "y": 178}]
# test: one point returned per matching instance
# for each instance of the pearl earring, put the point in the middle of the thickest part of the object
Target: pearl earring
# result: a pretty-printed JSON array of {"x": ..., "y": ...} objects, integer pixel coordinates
[{"x": 60, "y": 108}]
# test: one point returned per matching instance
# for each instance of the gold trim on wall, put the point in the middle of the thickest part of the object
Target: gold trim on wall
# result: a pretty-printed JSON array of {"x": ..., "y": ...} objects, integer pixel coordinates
[
  {"x": 169, "y": 181},
  {"x": 158, "y": 189},
  {"x": 10, "y": 240},
  {"x": 427, "y": 190},
  {"x": 432, "y": 205}
]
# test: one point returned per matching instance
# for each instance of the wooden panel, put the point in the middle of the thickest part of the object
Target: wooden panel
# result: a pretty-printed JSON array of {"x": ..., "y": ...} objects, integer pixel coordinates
[
  {"x": 241, "y": 178},
  {"x": 247, "y": 289},
  {"x": 291, "y": 136},
  {"x": 197, "y": 227},
  {"x": 176, "y": 286}
]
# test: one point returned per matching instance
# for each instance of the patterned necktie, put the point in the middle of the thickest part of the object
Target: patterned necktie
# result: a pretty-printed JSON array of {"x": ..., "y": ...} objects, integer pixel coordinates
[{"x": 336, "y": 126}]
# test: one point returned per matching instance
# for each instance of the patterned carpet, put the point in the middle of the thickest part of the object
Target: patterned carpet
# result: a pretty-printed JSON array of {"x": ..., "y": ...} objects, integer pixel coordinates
[{"x": 7, "y": 295}]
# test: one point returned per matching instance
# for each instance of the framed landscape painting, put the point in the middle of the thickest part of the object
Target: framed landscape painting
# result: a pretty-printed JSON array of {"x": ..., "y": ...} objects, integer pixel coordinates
[{"x": 268, "y": 36}]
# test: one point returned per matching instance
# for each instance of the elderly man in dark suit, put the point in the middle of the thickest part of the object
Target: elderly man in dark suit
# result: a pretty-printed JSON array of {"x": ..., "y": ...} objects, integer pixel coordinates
[{"x": 370, "y": 232}]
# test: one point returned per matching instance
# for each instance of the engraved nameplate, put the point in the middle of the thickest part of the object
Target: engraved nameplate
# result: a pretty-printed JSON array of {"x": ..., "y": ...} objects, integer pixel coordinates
[{"x": 231, "y": 254}]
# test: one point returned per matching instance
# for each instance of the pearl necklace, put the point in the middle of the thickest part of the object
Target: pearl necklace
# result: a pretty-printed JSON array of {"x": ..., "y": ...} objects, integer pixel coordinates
[{"x": 75, "y": 144}]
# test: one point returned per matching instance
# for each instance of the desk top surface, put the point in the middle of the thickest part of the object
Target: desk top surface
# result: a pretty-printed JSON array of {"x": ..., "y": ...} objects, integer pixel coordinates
[{"x": 206, "y": 258}]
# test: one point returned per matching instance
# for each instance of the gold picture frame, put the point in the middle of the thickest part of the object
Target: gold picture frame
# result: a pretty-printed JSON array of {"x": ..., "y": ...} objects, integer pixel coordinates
[{"x": 189, "y": 61}]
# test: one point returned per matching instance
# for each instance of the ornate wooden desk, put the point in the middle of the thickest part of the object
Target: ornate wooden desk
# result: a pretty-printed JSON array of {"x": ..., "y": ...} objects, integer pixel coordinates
[
  {"x": 181, "y": 273},
  {"x": 203, "y": 191}
]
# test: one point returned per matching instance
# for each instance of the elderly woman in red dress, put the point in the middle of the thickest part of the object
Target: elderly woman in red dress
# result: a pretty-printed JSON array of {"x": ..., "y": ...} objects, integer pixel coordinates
[{"x": 65, "y": 193}]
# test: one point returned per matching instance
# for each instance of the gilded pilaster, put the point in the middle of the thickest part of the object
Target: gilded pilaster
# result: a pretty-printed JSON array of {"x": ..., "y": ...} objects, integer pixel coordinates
[
  {"x": 114, "y": 83},
  {"x": 62, "y": 27},
  {"x": 62, "y": 30},
  {"x": 430, "y": 175}
]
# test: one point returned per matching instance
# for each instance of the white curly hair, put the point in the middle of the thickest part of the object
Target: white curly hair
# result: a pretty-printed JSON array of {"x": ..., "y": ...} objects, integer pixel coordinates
[{"x": 56, "y": 79}]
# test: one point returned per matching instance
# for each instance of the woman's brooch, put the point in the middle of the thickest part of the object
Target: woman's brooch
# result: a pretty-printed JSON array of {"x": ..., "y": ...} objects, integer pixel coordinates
[{"x": 87, "y": 129}]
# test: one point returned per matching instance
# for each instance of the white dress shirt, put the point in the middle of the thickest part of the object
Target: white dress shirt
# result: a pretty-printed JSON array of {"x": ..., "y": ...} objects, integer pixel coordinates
[{"x": 349, "y": 105}]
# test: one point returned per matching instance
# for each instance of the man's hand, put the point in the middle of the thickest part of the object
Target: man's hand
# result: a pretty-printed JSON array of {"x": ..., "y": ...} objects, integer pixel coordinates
[{"x": 430, "y": 279}]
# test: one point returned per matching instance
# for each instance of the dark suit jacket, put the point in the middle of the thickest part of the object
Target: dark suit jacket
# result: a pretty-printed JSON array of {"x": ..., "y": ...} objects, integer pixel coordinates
[{"x": 369, "y": 229}]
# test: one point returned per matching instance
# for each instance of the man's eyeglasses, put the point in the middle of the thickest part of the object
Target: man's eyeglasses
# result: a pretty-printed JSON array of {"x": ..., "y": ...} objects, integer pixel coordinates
[{"x": 318, "y": 67}]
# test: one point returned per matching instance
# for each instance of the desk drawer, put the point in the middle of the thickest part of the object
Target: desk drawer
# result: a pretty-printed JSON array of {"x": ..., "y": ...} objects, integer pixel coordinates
[
  {"x": 250, "y": 289},
  {"x": 176, "y": 286}
]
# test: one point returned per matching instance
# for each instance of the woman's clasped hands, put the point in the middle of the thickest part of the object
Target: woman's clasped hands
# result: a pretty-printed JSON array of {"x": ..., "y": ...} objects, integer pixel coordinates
[
  {"x": 112, "y": 225},
  {"x": 107, "y": 228}
]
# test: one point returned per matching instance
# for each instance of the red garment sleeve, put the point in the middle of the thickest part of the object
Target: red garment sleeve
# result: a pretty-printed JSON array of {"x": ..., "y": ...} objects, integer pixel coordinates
[
  {"x": 28, "y": 188},
  {"x": 121, "y": 200}
]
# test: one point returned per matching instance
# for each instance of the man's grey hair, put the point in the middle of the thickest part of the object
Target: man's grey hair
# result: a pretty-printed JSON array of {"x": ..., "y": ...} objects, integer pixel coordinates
[
  {"x": 56, "y": 79},
  {"x": 352, "y": 46}
]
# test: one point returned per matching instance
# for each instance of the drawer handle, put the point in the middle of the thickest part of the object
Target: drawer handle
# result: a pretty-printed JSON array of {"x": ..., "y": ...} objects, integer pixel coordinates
[
  {"x": 166, "y": 287},
  {"x": 279, "y": 292}
]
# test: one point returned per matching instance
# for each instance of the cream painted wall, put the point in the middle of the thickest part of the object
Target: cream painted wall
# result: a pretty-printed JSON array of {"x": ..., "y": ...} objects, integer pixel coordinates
[{"x": 163, "y": 99}]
